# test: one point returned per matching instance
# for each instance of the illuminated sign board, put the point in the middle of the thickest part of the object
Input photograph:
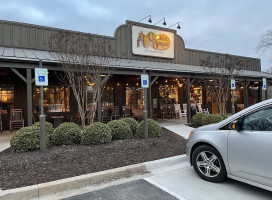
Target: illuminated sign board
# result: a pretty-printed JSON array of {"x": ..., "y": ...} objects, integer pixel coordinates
[{"x": 152, "y": 42}]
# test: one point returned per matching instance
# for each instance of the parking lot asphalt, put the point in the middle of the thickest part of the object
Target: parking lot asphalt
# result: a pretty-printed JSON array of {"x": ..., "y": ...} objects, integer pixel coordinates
[{"x": 135, "y": 190}]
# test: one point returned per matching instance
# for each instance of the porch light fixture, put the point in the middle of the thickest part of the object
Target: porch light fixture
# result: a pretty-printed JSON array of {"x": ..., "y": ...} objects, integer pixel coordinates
[
  {"x": 149, "y": 20},
  {"x": 164, "y": 23},
  {"x": 178, "y": 27}
]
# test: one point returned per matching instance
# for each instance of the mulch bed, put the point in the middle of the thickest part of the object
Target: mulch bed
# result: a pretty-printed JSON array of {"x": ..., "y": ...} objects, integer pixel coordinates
[{"x": 23, "y": 169}]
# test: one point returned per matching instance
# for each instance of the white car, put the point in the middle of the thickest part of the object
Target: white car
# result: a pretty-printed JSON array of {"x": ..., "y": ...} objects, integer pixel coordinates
[{"x": 239, "y": 147}]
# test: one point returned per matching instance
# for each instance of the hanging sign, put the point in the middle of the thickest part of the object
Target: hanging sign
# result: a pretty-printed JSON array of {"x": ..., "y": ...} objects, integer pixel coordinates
[
  {"x": 232, "y": 84},
  {"x": 264, "y": 83},
  {"x": 152, "y": 42},
  {"x": 144, "y": 81},
  {"x": 41, "y": 77}
]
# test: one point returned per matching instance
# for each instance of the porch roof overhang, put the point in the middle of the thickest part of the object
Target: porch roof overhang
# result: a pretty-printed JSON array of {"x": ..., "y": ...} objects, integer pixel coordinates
[{"x": 19, "y": 55}]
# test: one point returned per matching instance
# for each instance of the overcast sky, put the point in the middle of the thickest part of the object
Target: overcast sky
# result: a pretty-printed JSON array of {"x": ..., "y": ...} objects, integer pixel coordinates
[{"x": 230, "y": 26}]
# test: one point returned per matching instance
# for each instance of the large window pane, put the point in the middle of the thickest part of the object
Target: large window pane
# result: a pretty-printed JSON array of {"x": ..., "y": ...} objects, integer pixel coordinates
[
  {"x": 168, "y": 93},
  {"x": 134, "y": 97},
  {"x": 107, "y": 99},
  {"x": 6, "y": 98},
  {"x": 55, "y": 99}
]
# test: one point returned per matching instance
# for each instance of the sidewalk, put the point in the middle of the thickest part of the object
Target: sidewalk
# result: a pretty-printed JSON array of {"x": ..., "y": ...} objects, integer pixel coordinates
[
  {"x": 177, "y": 126},
  {"x": 4, "y": 140}
]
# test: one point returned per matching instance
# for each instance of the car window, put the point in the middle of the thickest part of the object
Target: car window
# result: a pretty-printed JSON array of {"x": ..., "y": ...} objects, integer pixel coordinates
[
  {"x": 260, "y": 120},
  {"x": 226, "y": 127}
]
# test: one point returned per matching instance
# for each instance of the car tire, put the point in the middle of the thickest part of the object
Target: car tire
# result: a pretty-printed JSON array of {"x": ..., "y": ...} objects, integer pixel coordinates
[{"x": 208, "y": 164}]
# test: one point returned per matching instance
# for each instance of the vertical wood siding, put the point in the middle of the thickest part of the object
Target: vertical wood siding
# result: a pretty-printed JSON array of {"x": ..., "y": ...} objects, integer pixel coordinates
[{"x": 20, "y": 35}]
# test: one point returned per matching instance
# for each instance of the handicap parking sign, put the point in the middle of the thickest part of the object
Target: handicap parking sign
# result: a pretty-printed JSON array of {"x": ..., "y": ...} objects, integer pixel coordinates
[
  {"x": 264, "y": 83},
  {"x": 41, "y": 77},
  {"x": 144, "y": 81},
  {"x": 232, "y": 84}
]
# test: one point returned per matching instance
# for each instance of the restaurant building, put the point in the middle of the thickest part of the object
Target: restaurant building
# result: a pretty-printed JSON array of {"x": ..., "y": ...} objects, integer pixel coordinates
[{"x": 171, "y": 67}]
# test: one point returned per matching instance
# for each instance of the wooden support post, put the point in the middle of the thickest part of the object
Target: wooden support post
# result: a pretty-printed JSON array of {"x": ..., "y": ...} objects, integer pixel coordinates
[{"x": 29, "y": 97}]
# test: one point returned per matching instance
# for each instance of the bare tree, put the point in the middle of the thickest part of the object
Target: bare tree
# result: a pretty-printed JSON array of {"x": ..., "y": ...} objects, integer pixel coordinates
[
  {"x": 265, "y": 43},
  {"x": 86, "y": 61},
  {"x": 220, "y": 74}
]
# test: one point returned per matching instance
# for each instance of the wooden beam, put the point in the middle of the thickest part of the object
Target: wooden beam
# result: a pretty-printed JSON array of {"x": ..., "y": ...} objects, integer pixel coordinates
[
  {"x": 153, "y": 81},
  {"x": 18, "y": 74}
]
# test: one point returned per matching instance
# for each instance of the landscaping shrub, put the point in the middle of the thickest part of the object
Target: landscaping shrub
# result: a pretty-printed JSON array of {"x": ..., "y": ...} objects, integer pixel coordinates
[
  {"x": 211, "y": 119},
  {"x": 66, "y": 133},
  {"x": 27, "y": 139},
  {"x": 132, "y": 123},
  {"x": 97, "y": 133},
  {"x": 197, "y": 119},
  {"x": 120, "y": 130},
  {"x": 154, "y": 129},
  {"x": 224, "y": 116},
  {"x": 48, "y": 127}
]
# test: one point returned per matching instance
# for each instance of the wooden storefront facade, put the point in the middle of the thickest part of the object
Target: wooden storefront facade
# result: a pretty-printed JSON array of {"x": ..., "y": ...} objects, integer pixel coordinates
[{"x": 22, "y": 46}]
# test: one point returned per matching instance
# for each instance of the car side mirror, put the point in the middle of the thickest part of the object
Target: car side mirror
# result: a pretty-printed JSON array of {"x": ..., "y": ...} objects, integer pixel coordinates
[
  {"x": 234, "y": 124},
  {"x": 237, "y": 124}
]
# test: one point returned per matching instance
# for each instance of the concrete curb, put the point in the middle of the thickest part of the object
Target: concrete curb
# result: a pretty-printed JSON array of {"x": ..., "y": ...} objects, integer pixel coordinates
[
  {"x": 49, "y": 188},
  {"x": 156, "y": 164}
]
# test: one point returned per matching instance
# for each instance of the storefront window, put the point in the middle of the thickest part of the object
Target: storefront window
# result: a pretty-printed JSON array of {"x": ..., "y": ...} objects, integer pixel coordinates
[
  {"x": 108, "y": 97},
  {"x": 6, "y": 98},
  {"x": 237, "y": 97},
  {"x": 253, "y": 93},
  {"x": 196, "y": 94},
  {"x": 169, "y": 93},
  {"x": 134, "y": 97},
  {"x": 55, "y": 99}
]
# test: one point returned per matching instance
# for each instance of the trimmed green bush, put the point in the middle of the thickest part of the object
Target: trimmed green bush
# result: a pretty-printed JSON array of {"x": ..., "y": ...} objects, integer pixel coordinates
[
  {"x": 211, "y": 119},
  {"x": 48, "y": 127},
  {"x": 27, "y": 139},
  {"x": 120, "y": 130},
  {"x": 224, "y": 116},
  {"x": 97, "y": 133},
  {"x": 197, "y": 119},
  {"x": 154, "y": 129},
  {"x": 132, "y": 123},
  {"x": 66, "y": 133}
]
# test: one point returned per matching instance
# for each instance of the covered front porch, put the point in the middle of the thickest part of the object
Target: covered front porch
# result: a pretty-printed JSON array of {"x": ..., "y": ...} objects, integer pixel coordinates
[{"x": 170, "y": 85}]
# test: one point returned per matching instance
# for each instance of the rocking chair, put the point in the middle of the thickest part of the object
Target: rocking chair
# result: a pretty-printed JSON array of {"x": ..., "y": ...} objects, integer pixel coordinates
[{"x": 16, "y": 119}]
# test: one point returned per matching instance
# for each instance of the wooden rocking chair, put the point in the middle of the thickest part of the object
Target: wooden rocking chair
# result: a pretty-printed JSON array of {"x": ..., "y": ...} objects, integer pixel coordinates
[
  {"x": 16, "y": 119},
  {"x": 115, "y": 112}
]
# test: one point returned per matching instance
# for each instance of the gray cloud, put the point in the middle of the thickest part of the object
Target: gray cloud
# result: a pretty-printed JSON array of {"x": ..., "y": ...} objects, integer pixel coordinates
[{"x": 230, "y": 26}]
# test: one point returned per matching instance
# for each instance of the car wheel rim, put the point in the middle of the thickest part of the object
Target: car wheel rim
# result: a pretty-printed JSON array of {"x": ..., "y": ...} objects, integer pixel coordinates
[{"x": 208, "y": 164}]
